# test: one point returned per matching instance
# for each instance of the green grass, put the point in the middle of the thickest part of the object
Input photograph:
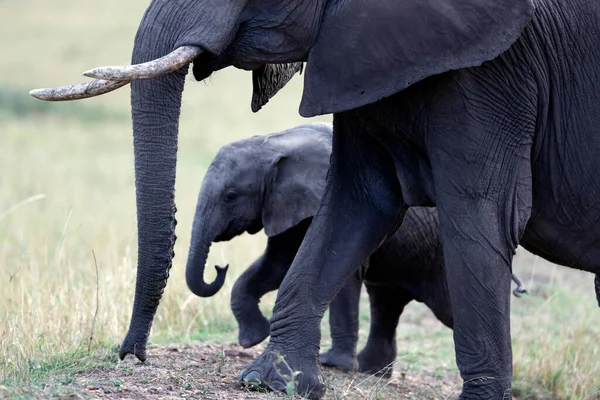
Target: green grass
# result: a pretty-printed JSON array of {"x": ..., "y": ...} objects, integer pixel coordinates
[
  {"x": 51, "y": 370},
  {"x": 79, "y": 157}
]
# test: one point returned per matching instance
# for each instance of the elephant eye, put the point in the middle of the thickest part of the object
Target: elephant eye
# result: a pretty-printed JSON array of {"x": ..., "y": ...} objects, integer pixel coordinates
[{"x": 230, "y": 196}]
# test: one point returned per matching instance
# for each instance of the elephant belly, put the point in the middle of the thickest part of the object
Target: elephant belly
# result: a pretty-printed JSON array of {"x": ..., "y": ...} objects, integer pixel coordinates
[{"x": 564, "y": 227}]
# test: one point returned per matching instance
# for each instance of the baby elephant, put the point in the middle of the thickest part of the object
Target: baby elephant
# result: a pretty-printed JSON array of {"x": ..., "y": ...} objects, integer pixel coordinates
[{"x": 276, "y": 182}]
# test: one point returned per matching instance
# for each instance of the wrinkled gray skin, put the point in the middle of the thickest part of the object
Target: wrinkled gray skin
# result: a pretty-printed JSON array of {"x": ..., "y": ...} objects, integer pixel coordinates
[
  {"x": 487, "y": 109},
  {"x": 276, "y": 181}
]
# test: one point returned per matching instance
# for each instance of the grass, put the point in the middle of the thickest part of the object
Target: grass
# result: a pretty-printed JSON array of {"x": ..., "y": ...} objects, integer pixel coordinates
[
  {"x": 75, "y": 160},
  {"x": 15, "y": 103}
]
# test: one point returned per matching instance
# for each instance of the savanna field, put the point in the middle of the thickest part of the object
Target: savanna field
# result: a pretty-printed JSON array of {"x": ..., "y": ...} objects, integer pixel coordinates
[{"x": 67, "y": 194}]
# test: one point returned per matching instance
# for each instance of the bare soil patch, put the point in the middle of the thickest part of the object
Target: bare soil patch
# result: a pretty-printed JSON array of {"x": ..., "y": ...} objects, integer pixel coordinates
[{"x": 210, "y": 371}]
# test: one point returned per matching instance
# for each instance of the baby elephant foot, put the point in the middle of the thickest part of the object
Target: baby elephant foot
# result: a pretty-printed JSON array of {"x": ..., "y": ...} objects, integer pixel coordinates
[
  {"x": 284, "y": 373},
  {"x": 251, "y": 334},
  {"x": 346, "y": 361},
  {"x": 379, "y": 363}
]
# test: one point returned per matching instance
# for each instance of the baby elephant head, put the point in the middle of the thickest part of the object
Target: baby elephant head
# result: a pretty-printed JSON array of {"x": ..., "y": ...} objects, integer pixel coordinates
[{"x": 272, "y": 181}]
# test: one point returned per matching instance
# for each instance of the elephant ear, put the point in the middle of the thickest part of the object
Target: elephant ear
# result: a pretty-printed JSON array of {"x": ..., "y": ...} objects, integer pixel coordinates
[
  {"x": 367, "y": 50},
  {"x": 298, "y": 176},
  {"x": 270, "y": 79}
]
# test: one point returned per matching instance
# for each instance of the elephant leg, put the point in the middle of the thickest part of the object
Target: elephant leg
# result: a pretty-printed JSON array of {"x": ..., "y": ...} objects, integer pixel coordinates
[
  {"x": 478, "y": 259},
  {"x": 260, "y": 278},
  {"x": 343, "y": 322},
  {"x": 361, "y": 206},
  {"x": 263, "y": 276},
  {"x": 379, "y": 354},
  {"x": 597, "y": 287},
  {"x": 483, "y": 181}
]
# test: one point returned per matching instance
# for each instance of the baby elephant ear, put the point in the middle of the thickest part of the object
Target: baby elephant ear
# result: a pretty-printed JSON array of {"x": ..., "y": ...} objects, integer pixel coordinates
[
  {"x": 268, "y": 80},
  {"x": 370, "y": 49},
  {"x": 298, "y": 177}
]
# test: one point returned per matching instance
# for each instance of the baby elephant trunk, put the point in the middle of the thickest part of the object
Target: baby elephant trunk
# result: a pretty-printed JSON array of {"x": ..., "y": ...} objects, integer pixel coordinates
[{"x": 194, "y": 271}]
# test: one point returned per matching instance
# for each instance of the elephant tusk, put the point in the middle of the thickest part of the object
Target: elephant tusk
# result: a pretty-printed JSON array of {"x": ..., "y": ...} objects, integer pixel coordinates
[
  {"x": 148, "y": 70},
  {"x": 78, "y": 91}
]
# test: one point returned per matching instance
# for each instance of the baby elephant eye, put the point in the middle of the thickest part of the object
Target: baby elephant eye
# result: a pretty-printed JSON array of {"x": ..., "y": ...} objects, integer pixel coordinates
[{"x": 230, "y": 196}]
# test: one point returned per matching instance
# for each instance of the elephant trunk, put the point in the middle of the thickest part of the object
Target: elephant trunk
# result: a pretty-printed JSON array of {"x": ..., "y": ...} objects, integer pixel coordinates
[
  {"x": 202, "y": 237},
  {"x": 171, "y": 34},
  {"x": 155, "y": 106}
]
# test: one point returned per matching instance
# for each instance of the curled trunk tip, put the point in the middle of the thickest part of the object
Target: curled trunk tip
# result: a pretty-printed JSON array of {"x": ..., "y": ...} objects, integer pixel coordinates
[{"x": 201, "y": 288}]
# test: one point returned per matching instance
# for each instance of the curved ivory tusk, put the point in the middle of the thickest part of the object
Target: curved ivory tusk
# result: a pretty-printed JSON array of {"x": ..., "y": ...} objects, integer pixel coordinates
[
  {"x": 151, "y": 69},
  {"x": 78, "y": 91}
]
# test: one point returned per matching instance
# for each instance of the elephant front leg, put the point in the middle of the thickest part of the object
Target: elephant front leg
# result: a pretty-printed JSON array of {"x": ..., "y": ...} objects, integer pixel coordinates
[
  {"x": 361, "y": 206},
  {"x": 260, "y": 278},
  {"x": 343, "y": 322},
  {"x": 263, "y": 276}
]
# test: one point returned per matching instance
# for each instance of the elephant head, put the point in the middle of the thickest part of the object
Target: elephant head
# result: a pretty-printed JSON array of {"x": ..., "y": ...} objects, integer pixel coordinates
[
  {"x": 357, "y": 52},
  {"x": 272, "y": 181}
]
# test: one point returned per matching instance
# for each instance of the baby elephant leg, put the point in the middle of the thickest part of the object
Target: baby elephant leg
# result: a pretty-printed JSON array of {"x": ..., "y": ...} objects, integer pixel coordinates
[
  {"x": 260, "y": 278},
  {"x": 379, "y": 354},
  {"x": 343, "y": 322},
  {"x": 265, "y": 275}
]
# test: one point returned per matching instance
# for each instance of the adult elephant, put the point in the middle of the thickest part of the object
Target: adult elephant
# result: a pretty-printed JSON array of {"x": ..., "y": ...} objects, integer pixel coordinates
[{"x": 487, "y": 109}]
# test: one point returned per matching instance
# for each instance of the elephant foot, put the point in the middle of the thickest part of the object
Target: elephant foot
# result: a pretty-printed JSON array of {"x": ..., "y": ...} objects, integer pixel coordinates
[
  {"x": 251, "y": 334},
  {"x": 135, "y": 345},
  {"x": 378, "y": 362},
  {"x": 343, "y": 360},
  {"x": 280, "y": 372}
]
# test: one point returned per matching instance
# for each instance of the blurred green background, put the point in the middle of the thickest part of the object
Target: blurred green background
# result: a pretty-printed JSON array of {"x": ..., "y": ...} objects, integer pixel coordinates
[{"x": 66, "y": 188}]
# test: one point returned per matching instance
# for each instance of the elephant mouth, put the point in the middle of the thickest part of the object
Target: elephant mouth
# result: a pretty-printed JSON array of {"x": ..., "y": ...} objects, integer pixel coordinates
[
  {"x": 206, "y": 63},
  {"x": 255, "y": 226},
  {"x": 226, "y": 236},
  {"x": 230, "y": 232}
]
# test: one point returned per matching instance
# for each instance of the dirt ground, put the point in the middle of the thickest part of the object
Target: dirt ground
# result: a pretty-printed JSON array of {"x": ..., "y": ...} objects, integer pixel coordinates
[{"x": 209, "y": 371}]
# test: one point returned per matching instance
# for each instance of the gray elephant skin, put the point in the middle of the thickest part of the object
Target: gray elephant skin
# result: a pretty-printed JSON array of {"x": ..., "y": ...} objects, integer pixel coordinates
[
  {"x": 487, "y": 109},
  {"x": 276, "y": 182}
]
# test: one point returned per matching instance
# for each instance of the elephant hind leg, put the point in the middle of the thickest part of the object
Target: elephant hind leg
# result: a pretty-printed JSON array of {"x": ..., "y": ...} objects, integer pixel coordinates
[
  {"x": 482, "y": 174},
  {"x": 343, "y": 322},
  {"x": 379, "y": 354},
  {"x": 597, "y": 287}
]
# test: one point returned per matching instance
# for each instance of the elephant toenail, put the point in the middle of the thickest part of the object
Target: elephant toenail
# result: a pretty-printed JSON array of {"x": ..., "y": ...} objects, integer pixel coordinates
[
  {"x": 278, "y": 386},
  {"x": 252, "y": 379}
]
